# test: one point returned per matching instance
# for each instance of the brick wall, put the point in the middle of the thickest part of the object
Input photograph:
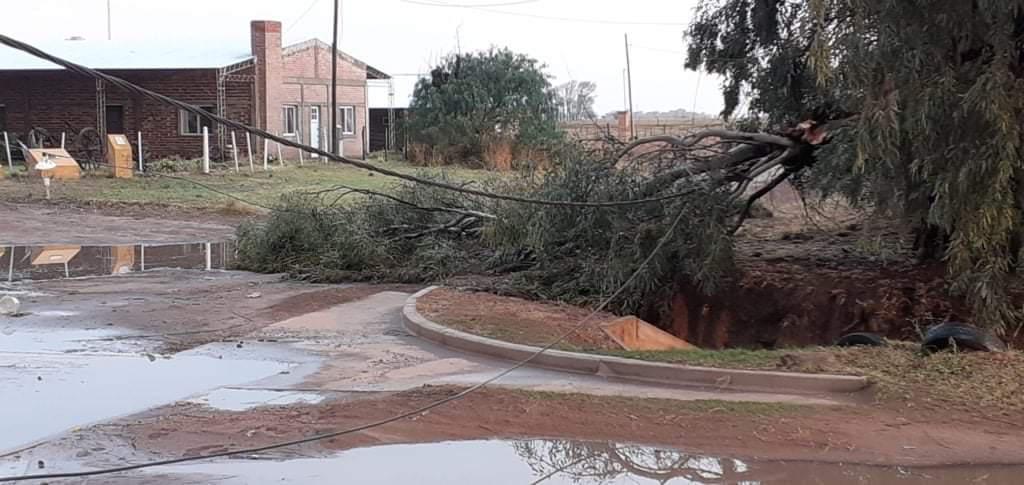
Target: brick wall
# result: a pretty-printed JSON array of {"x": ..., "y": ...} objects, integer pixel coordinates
[
  {"x": 61, "y": 101},
  {"x": 307, "y": 81},
  {"x": 300, "y": 75}
]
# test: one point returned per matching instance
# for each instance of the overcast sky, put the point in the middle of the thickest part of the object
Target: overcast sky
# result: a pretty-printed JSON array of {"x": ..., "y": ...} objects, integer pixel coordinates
[{"x": 576, "y": 39}]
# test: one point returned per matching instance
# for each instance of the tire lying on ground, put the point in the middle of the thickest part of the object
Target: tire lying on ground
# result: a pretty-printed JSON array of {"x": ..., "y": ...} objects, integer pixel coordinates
[
  {"x": 860, "y": 339},
  {"x": 962, "y": 337}
]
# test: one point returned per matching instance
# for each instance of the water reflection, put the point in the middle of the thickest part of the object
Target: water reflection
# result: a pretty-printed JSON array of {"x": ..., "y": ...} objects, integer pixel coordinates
[
  {"x": 603, "y": 463},
  {"x": 69, "y": 261},
  {"x": 557, "y": 462}
]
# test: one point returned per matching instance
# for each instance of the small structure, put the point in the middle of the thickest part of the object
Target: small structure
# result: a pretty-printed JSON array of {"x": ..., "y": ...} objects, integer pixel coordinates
[
  {"x": 633, "y": 333},
  {"x": 119, "y": 156}
]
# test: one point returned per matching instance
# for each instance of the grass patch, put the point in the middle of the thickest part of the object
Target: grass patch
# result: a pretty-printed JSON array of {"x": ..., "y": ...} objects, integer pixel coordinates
[
  {"x": 264, "y": 188},
  {"x": 729, "y": 358}
]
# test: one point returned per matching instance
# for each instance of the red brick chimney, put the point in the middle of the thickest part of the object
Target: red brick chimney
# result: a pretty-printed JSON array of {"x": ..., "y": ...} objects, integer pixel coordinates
[{"x": 266, "y": 48}]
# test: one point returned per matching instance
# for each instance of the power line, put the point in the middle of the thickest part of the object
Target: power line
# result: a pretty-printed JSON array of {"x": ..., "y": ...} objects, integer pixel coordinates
[
  {"x": 121, "y": 83},
  {"x": 302, "y": 16},
  {"x": 482, "y": 8},
  {"x": 469, "y": 5},
  {"x": 667, "y": 236}
]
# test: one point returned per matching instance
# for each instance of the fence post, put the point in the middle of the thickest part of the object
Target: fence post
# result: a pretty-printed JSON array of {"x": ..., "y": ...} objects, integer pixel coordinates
[
  {"x": 63, "y": 138},
  {"x": 234, "y": 149},
  {"x": 266, "y": 148},
  {"x": 141, "y": 169},
  {"x": 206, "y": 149},
  {"x": 248, "y": 146},
  {"x": 280, "y": 157},
  {"x": 7, "y": 146},
  {"x": 301, "y": 162}
]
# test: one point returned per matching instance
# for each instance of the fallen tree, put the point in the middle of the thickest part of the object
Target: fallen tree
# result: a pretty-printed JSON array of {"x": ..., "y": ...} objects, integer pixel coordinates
[{"x": 571, "y": 253}]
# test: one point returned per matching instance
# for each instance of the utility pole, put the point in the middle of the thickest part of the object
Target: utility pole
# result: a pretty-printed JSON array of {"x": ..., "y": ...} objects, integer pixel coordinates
[
  {"x": 109, "y": 31},
  {"x": 334, "y": 83},
  {"x": 629, "y": 84}
]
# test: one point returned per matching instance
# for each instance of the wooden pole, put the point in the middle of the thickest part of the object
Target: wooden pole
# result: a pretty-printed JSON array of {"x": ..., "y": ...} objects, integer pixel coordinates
[
  {"x": 248, "y": 146},
  {"x": 334, "y": 84},
  {"x": 63, "y": 139},
  {"x": 206, "y": 149},
  {"x": 234, "y": 149},
  {"x": 629, "y": 83}
]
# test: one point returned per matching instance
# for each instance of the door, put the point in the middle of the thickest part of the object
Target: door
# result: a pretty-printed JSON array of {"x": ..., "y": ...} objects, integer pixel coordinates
[
  {"x": 314, "y": 128},
  {"x": 115, "y": 119}
]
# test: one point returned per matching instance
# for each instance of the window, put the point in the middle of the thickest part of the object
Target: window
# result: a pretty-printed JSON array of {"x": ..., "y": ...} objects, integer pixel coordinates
[
  {"x": 190, "y": 124},
  {"x": 347, "y": 120},
  {"x": 290, "y": 119}
]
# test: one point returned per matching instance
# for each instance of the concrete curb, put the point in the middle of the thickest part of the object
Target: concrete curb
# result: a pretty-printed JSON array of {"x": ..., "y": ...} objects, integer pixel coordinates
[{"x": 738, "y": 380}]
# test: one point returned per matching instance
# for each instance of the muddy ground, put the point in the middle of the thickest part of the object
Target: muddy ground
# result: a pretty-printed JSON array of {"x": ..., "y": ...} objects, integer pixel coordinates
[{"x": 31, "y": 224}]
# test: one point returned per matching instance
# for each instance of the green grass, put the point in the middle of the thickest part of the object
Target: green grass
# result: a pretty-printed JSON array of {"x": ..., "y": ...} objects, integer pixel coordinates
[
  {"x": 263, "y": 188},
  {"x": 729, "y": 358}
]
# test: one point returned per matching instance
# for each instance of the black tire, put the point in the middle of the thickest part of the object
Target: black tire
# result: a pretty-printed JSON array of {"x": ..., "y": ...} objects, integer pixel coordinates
[
  {"x": 861, "y": 339},
  {"x": 962, "y": 337}
]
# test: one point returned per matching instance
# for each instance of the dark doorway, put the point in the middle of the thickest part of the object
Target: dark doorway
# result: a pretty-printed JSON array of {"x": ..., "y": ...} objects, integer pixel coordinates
[{"x": 115, "y": 119}]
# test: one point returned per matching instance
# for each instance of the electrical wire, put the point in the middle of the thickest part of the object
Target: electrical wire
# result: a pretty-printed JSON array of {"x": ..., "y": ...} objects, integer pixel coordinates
[
  {"x": 665, "y": 238},
  {"x": 469, "y": 5},
  {"x": 121, "y": 83},
  {"x": 302, "y": 16},
  {"x": 486, "y": 8}
]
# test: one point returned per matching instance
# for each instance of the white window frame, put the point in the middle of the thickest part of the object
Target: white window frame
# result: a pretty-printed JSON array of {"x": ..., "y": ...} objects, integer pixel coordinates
[
  {"x": 347, "y": 120},
  {"x": 184, "y": 117},
  {"x": 294, "y": 110}
]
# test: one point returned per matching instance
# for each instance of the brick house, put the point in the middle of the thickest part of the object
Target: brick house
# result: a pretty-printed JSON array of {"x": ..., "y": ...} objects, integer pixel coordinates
[{"x": 282, "y": 89}]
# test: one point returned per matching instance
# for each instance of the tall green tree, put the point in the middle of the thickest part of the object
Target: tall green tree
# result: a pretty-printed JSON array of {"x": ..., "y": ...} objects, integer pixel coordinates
[
  {"x": 931, "y": 94},
  {"x": 471, "y": 98}
]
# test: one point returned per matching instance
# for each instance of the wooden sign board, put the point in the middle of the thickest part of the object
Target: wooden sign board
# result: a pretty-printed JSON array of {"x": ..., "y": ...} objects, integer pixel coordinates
[
  {"x": 119, "y": 156},
  {"x": 67, "y": 167}
]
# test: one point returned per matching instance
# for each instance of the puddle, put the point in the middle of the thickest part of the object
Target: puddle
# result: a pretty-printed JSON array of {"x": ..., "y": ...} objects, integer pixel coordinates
[
  {"x": 59, "y": 391},
  {"x": 19, "y": 263},
  {"x": 560, "y": 462},
  {"x": 243, "y": 399},
  {"x": 22, "y": 339}
]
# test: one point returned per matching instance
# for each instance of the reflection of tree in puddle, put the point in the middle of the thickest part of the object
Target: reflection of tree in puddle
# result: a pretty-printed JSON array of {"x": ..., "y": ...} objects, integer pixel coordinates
[{"x": 598, "y": 463}]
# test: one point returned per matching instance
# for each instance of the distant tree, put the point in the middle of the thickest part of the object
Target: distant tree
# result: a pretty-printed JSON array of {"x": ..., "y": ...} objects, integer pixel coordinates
[
  {"x": 575, "y": 100},
  {"x": 470, "y": 99}
]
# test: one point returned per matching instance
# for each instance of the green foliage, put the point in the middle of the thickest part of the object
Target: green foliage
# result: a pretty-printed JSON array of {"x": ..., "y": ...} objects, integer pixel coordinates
[
  {"x": 473, "y": 98},
  {"x": 572, "y": 254},
  {"x": 934, "y": 86}
]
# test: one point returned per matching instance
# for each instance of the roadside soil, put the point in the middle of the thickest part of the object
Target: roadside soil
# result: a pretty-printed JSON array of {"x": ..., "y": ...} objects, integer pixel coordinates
[
  {"x": 517, "y": 320},
  {"x": 763, "y": 431},
  {"x": 40, "y": 223}
]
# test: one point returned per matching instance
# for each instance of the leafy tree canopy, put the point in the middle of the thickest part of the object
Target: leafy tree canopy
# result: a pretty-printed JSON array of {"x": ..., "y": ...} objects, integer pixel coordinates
[
  {"x": 472, "y": 98},
  {"x": 930, "y": 90}
]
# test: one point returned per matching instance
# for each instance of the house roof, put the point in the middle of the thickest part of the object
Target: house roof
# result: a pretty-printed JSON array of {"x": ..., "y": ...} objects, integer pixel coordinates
[
  {"x": 156, "y": 54},
  {"x": 371, "y": 72},
  {"x": 106, "y": 54}
]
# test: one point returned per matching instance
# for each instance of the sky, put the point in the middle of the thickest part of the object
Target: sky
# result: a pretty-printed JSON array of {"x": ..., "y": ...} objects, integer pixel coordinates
[{"x": 579, "y": 40}]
